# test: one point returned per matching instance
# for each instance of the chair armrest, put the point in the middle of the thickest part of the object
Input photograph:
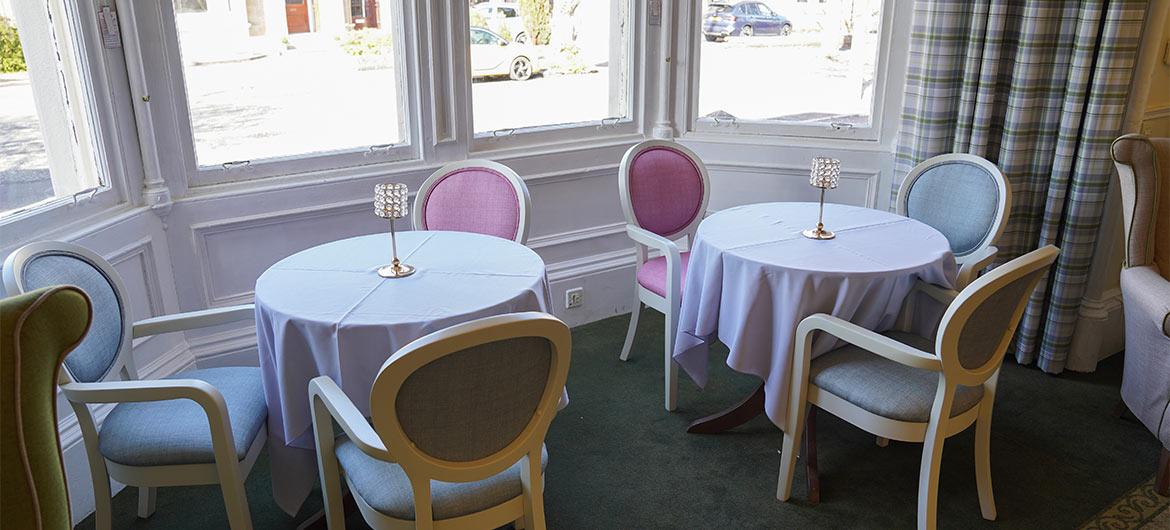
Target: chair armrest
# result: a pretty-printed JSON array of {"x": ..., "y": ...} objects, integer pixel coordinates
[
  {"x": 322, "y": 390},
  {"x": 943, "y": 295},
  {"x": 196, "y": 390},
  {"x": 652, "y": 240},
  {"x": 868, "y": 340},
  {"x": 1146, "y": 296},
  {"x": 976, "y": 262},
  {"x": 201, "y": 392},
  {"x": 192, "y": 320}
]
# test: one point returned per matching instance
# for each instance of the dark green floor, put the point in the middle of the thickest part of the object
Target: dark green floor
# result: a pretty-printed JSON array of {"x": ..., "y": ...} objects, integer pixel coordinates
[{"x": 618, "y": 460}]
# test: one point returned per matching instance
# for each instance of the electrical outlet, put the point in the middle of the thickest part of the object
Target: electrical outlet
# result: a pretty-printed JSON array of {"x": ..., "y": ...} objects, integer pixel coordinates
[{"x": 574, "y": 297}]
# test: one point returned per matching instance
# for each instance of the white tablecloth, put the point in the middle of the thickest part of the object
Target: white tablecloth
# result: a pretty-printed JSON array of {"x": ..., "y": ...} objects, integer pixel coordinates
[
  {"x": 325, "y": 311},
  {"x": 753, "y": 277}
]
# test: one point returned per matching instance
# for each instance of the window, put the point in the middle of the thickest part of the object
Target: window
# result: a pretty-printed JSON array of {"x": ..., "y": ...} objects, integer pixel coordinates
[
  {"x": 303, "y": 84},
  {"x": 47, "y": 148},
  {"x": 553, "y": 65},
  {"x": 804, "y": 68}
]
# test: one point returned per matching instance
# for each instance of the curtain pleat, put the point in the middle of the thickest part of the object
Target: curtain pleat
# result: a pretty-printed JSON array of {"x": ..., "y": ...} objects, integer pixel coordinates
[{"x": 1039, "y": 87}]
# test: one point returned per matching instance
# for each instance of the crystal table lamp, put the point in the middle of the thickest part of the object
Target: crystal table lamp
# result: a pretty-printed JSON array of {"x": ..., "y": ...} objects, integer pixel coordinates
[
  {"x": 390, "y": 202},
  {"x": 825, "y": 173}
]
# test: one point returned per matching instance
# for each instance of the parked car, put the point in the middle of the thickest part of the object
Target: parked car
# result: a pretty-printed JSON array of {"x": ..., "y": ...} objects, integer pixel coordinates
[
  {"x": 743, "y": 19},
  {"x": 506, "y": 15},
  {"x": 493, "y": 55}
]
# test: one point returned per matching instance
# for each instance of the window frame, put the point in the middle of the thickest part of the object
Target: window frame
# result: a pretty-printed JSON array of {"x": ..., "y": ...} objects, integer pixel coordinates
[
  {"x": 888, "y": 70},
  {"x": 564, "y": 133},
  {"x": 104, "y": 90},
  {"x": 175, "y": 135}
]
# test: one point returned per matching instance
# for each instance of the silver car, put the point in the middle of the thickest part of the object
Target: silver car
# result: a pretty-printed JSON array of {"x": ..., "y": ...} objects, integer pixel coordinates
[{"x": 493, "y": 55}]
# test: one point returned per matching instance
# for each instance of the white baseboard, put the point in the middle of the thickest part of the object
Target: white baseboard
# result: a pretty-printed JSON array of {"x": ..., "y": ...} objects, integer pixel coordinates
[{"x": 1100, "y": 331}]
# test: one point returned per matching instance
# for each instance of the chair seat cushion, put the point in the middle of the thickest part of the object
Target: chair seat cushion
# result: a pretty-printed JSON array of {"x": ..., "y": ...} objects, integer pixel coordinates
[
  {"x": 386, "y": 488},
  {"x": 652, "y": 275},
  {"x": 884, "y": 387},
  {"x": 176, "y": 431}
]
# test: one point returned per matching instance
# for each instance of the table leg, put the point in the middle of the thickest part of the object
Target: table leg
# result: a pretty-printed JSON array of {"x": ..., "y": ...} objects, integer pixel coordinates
[
  {"x": 810, "y": 456},
  {"x": 733, "y": 417}
]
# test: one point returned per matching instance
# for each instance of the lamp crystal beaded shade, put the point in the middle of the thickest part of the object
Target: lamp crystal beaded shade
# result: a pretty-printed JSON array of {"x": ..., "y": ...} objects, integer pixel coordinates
[
  {"x": 391, "y": 201},
  {"x": 824, "y": 174}
]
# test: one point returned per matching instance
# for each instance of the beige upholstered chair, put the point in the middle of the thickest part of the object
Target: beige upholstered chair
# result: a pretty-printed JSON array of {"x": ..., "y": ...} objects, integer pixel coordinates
[
  {"x": 901, "y": 386},
  {"x": 459, "y": 420},
  {"x": 1143, "y": 165}
]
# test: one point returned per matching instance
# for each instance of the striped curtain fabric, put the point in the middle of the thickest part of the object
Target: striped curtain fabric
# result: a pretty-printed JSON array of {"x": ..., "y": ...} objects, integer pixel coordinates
[{"x": 1039, "y": 87}]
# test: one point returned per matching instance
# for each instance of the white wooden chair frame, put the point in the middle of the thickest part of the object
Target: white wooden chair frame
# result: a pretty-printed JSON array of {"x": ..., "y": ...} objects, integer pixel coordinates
[
  {"x": 644, "y": 241},
  {"x": 518, "y": 184},
  {"x": 951, "y": 374},
  {"x": 227, "y": 470},
  {"x": 385, "y": 439},
  {"x": 971, "y": 263}
]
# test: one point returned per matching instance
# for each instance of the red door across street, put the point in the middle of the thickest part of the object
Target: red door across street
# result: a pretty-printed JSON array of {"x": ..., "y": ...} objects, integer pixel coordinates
[{"x": 296, "y": 12}]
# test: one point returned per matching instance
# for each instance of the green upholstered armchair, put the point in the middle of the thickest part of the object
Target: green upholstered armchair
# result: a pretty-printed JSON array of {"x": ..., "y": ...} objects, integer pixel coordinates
[{"x": 37, "y": 330}]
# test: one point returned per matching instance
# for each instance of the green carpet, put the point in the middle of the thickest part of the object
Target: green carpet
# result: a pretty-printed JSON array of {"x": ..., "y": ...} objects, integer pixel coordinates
[{"x": 618, "y": 460}]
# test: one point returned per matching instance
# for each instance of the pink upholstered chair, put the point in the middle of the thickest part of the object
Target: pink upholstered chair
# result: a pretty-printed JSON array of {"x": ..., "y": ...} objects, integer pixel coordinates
[
  {"x": 664, "y": 190},
  {"x": 478, "y": 196}
]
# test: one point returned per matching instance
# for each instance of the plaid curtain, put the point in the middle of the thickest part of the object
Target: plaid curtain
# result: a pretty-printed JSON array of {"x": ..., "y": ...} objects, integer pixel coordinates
[{"x": 1038, "y": 87}]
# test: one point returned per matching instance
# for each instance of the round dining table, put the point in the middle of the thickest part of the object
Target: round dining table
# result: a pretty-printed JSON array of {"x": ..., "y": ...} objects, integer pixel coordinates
[
  {"x": 752, "y": 277},
  {"x": 326, "y": 311}
]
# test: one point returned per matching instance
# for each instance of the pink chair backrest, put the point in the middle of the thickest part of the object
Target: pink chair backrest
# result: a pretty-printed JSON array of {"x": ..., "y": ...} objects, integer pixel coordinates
[
  {"x": 473, "y": 199},
  {"x": 666, "y": 190}
]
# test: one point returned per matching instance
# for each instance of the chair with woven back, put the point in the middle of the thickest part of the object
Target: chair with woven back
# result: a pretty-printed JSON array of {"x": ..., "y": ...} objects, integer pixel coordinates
[
  {"x": 459, "y": 419},
  {"x": 901, "y": 386}
]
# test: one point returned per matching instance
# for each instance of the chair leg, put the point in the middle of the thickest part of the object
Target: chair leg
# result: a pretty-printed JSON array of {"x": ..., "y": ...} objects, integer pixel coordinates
[
  {"x": 531, "y": 480},
  {"x": 983, "y": 464},
  {"x": 811, "y": 475},
  {"x": 235, "y": 500},
  {"x": 103, "y": 510},
  {"x": 670, "y": 368},
  {"x": 932, "y": 450},
  {"x": 146, "y": 497},
  {"x": 1162, "y": 484},
  {"x": 633, "y": 331},
  {"x": 788, "y": 453}
]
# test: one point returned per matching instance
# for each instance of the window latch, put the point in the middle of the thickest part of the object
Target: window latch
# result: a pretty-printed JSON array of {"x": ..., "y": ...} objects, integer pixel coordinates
[
  {"x": 238, "y": 164},
  {"x": 381, "y": 148},
  {"x": 500, "y": 133},
  {"x": 730, "y": 121},
  {"x": 87, "y": 193},
  {"x": 610, "y": 122},
  {"x": 841, "y": 126}
]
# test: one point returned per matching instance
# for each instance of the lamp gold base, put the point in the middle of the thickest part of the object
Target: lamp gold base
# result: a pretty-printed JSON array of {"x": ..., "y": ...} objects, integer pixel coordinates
[
  {"x": 397, "y": 270},
  {"x": 818, "y": 233}
]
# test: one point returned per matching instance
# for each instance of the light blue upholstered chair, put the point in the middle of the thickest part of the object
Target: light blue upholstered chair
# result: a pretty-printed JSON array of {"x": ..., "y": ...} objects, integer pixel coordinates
[
  {"x": 459, "y": 420},
  {"x": 966, "y": 198},
  {"x": 197, "y": 427}
]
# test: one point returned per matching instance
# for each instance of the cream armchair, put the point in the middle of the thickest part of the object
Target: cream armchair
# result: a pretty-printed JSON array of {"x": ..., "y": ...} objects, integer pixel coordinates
[{"x": 1143, "y": 165}]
